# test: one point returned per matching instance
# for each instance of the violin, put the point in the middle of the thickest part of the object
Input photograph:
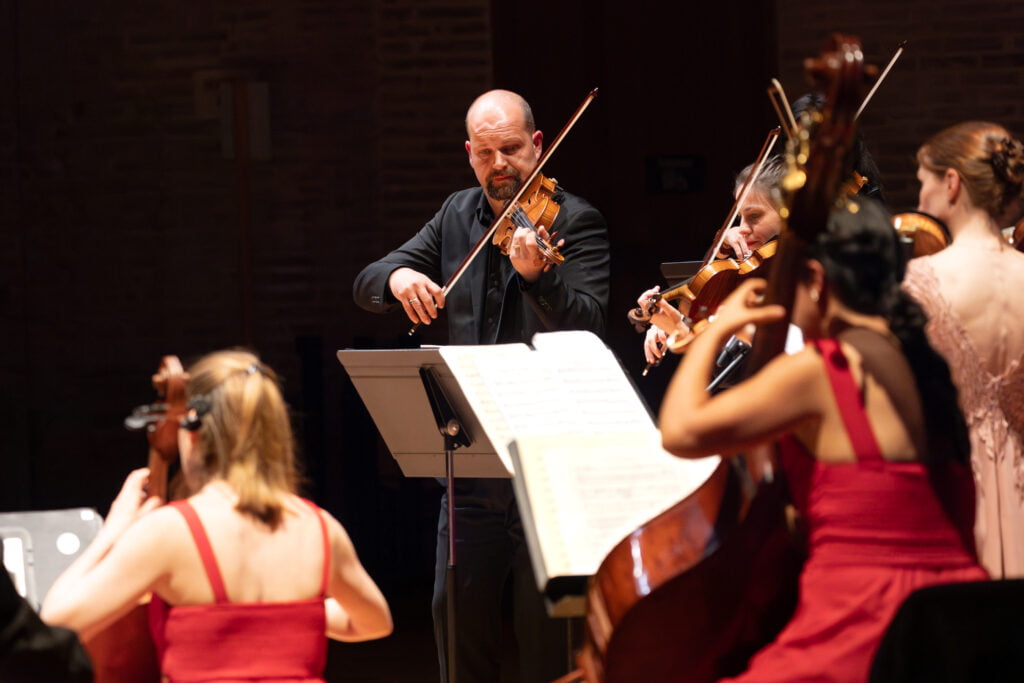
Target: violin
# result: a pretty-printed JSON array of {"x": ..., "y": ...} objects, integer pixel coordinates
[
  {"x": 536, "y": 207},
  {"x": 700, "y": 296},
  {"x": 124, "y": 651},
  {"x": 922, "y": 233},
  {"x": 514, "y": 206}
]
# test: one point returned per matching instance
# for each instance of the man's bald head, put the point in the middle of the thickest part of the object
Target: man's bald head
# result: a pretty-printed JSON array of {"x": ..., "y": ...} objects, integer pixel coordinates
[{"x": 503, "y": 101}]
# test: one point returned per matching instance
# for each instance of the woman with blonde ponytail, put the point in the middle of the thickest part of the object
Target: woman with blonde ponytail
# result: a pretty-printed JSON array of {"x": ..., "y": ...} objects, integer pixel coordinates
[
  {"x": 972, "y": 178},
  {"x": 247, "y": 577}
]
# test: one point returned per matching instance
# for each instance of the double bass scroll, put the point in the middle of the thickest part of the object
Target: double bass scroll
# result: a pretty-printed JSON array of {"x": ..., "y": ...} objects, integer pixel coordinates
[{"x": 690, "y": 595}]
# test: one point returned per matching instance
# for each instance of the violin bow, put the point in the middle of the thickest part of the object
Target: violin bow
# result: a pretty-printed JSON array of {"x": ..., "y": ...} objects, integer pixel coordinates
[
  {"x": 513, "y": 201},
  {"x": 638, "y": 317},
  {"x": 748, "y": 185},
  {"x": 885, "y": 72},
  {"x": 777, "y": 96}
]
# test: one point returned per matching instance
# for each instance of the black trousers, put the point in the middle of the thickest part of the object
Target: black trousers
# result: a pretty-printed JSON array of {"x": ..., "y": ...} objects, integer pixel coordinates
[{"x": 491, "y": 556}]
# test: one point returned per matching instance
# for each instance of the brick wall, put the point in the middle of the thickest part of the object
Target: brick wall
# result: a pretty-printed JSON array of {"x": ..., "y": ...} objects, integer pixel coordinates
[
  {"x": 126, "y": 234},
  {"x": 964, "y": 60}
]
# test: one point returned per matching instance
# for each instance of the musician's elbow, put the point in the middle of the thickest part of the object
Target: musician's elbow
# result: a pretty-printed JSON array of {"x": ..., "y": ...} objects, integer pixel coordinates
[
  {"x": 680, "y": 443},
  {"x": 381, "y": 629},
  {"x": 693, "y": 437},
  {"x": 370, "y": 622}
]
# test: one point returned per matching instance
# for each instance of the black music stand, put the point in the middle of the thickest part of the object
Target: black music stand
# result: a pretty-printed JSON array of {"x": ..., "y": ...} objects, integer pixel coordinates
[
  {"x": 410, "y": 393},
  {"x": 450, "y": 427},
  {"x": 676, "y": 272}
]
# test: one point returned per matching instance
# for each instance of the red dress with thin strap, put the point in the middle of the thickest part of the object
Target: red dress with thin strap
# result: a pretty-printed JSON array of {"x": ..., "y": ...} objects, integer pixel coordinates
[
  {"x": 225, "y": 642},
  {"x": 877, "y": 532}
]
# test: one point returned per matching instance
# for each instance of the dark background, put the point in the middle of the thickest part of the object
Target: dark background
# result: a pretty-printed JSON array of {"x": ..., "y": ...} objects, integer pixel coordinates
[{"x": 130, "y": 229}]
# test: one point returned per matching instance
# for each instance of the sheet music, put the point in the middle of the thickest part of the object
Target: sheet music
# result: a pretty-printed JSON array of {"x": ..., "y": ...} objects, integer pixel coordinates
[
  {"x": 463, "y": 362},
  {"x": 571, "y": 383},
  {"x": 586, "y": 492}
]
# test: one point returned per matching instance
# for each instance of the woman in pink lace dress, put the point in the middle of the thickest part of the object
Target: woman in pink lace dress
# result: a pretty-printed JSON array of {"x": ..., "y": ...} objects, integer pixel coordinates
[{"x": 971, "y": 174}]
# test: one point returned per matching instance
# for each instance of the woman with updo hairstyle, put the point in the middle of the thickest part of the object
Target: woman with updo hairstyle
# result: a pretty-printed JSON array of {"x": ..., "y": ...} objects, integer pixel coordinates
[
  {"x": 971, "y": 175},
  {"x": 248, "y": 579},
  {"x": 871, "y": 441}
]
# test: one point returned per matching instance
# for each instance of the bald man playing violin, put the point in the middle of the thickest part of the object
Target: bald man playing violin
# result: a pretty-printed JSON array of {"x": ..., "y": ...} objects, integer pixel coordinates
[{"x": 499, "y": 299}]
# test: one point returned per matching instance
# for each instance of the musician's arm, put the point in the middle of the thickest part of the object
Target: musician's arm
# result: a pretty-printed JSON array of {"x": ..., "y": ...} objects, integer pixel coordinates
[
  {"x": 784, "y": 393},
  {"x": 421, "y": 253},
  {"x": 111, "y": 576},
  {"x": 356, "y": 608}
]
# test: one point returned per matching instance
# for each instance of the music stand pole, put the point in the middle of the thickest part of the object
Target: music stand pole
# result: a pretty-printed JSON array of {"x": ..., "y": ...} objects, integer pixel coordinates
[
  {"x": 450, "y": 427},
  {"x": 728, "y": 360}
]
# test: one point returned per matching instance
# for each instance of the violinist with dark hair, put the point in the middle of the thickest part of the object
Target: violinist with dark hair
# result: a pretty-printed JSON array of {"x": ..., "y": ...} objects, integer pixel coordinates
[
  {"x": 972, "y": 176},
  {"x": 873, "y": 445}
]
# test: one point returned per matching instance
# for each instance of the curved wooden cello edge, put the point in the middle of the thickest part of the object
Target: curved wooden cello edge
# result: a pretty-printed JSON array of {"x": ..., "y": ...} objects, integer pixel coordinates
[
  {"x": 124, "y": 651},
  {"x": 720, "y": 575},
  {"x": 690, "y": 595}
]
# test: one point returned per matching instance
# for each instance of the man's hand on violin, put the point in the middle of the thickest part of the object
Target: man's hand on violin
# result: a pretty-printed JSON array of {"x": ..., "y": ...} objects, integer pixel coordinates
[
  {"x": 526, "y": 256},
  {"x": 421, "y": 297}
]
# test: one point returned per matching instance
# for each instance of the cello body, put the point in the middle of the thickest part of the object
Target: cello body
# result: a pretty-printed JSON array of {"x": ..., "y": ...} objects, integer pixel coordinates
[
  {"x": 692, "y": 594},
  {"x": 124, "y": 652},
  {"x": 689, "y": 596}
]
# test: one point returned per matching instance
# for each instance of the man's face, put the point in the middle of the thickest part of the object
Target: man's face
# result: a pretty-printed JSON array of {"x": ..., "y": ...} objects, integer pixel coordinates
[{"x": 501, "y": 151}]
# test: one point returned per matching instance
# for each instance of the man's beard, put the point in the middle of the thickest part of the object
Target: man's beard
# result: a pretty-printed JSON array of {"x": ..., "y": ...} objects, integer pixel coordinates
[{"x": 507, "y": 189}]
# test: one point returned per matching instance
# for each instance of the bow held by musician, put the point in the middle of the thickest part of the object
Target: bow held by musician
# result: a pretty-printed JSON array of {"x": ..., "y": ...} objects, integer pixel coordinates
[{"x": 502, "y": 298}]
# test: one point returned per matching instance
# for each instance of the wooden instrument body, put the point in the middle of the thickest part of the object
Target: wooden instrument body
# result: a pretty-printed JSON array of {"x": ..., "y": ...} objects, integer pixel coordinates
[
  {"x": 927, "y": 235},
  {"x": 689, "y": 596},
  {"x": 732, "y": 561},
  {"x": 124, "y": 651}
]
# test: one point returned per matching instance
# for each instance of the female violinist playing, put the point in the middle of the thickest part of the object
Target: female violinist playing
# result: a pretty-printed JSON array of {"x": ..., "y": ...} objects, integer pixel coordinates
[
  {"x": 971, "y": 174},
  {"x": 760, "y": 223},
  {"x": 873, "y": 445},
  {"x": 248, "y": 579}
]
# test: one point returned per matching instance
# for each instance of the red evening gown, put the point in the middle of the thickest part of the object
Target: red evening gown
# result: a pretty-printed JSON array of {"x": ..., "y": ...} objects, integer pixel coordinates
[
  {"x": 877, "y": 532},
  {"x": 225, "y": 642}
]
